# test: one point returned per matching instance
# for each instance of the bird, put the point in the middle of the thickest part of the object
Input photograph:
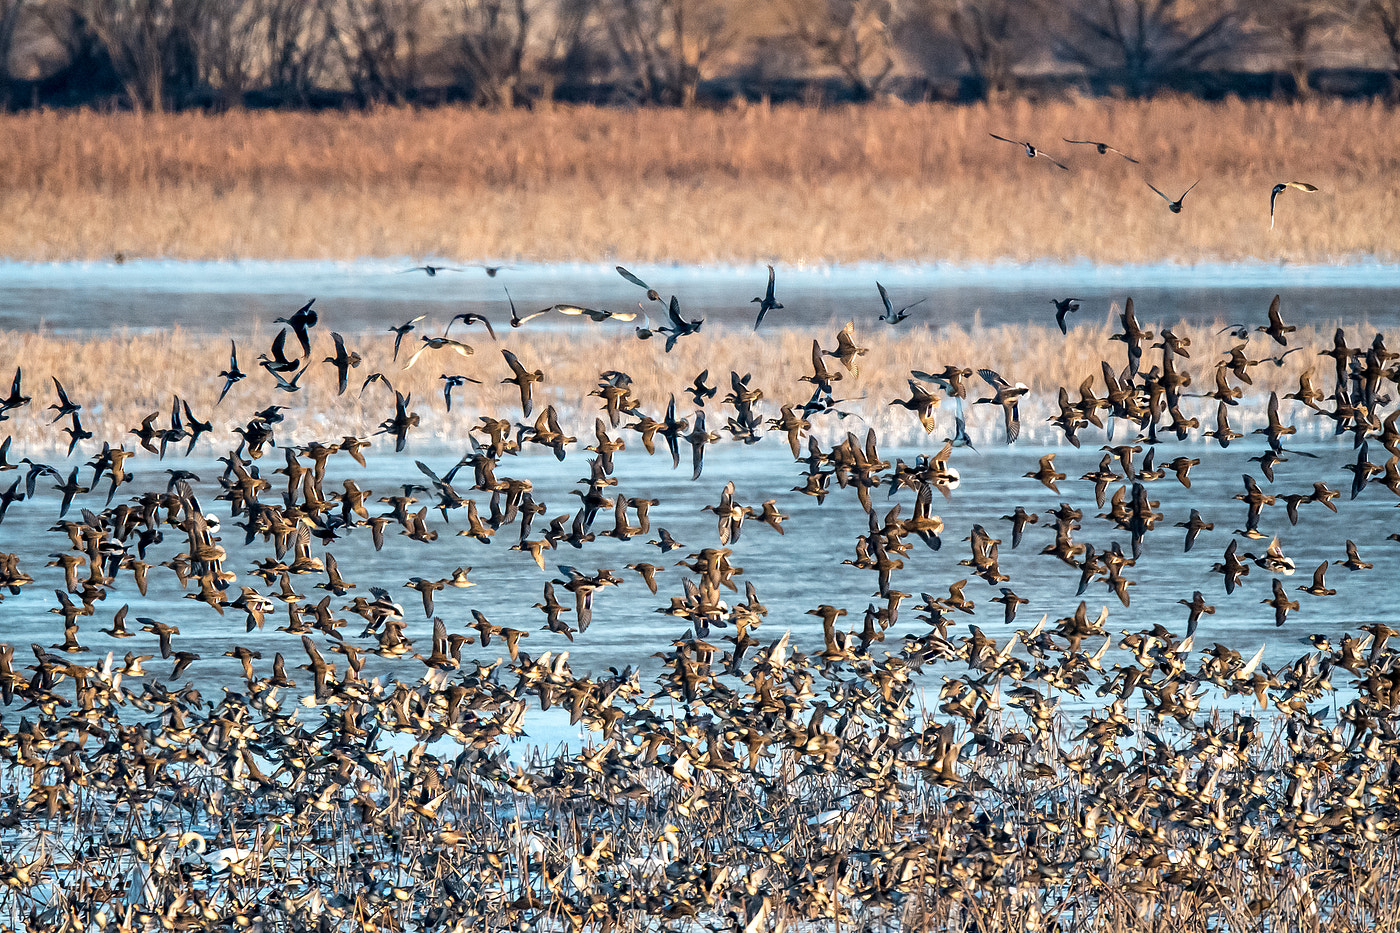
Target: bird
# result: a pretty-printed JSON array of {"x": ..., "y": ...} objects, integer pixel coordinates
[
  {"x": 403, "y": 330},
  {"x": 1062, "y": 307},
  {"x": 1031, "y": 151},
  {"x": 1353, "y": 560},
  {"x": 1319, "y": 586},
  {"x": 469, "y": 318},
  {"x": 1279, "y": 189},
  {"x": 450, "y": 382},
  {"x": 1011, "y": 602},
  {"x": 846, "y": 350},
  {"x": 677, "y": 326},
  {"x": 432, "y": 270},
  {"x": 524, "y": 379},
  {"x": 1174, "y": 206},
  {"x": 596, "y": 315},
  {"x": 233, "y": 373},
  {"x": 1047, "y": 474},
  {"x": 699, "y": 390},
  {"x": 1281, "y": 603},
  {"x": 767, "y": 302},
  {"x": 653, "y": 294},
  {"x": 1276, "y": 328},
  {"x": 515, "y": 319},
  {"x": 301, "y": 323},
  {"x": 1194, "y": 526},
  {"x": 343, "y": 361},
  {"x": 64, "y": 407},
  {"x": 1198, "y": 607},
  {"x": 1103, "y": 148},
  {"x": 1007, "y": 396},
  {"x": 891, "y": 316}
]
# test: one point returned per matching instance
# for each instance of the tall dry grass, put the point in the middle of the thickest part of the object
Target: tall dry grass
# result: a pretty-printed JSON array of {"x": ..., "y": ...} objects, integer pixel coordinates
[
  {"x": 843, "y": 184},
  {"x": 121, "y": 379}
]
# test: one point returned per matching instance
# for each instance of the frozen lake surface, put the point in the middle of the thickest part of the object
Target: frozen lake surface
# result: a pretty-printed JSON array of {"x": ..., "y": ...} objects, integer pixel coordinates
[{"x": 368, "y": 296}]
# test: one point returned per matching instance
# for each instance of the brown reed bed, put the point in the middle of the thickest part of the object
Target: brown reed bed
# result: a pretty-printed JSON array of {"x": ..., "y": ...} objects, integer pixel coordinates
[
  {"x": 121, "y": 379},
  {"x": 896, "y": 183}
]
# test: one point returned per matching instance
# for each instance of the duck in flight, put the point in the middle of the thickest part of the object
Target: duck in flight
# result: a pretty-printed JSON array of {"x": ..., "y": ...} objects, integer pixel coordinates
[
  {"x": 652, "y": 294},
  {"x": 891, "y": 316},
  {"x": 402, "y": 331},
  {"x": 434, "y": 270},
  {"x": 1063, "y": 307},
  {"x": 1174, "y": 206},
  {"x": 1103, "y": 148},
  {"x": 767, "y": 302},
  {"x": 1031, "y": 151},
  {"x": 1279, "y": 189}
]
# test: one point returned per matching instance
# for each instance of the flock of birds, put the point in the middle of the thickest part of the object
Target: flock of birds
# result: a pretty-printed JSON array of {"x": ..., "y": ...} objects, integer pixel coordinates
[
  {"x": 921, "y": 780},
  {"x": 1173, "y": 204}
]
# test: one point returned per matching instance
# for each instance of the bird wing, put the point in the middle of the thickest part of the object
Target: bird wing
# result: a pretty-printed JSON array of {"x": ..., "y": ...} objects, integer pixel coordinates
[
  {"x": 632, "y": 278},
  {"x": 697, "y": 446},
  {"x": 513, "y": 363},
  {"x": 417, "y": 353}
]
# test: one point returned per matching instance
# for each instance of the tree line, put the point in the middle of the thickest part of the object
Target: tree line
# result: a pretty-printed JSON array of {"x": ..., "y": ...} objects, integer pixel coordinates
[{"x": 160, "y": 55}]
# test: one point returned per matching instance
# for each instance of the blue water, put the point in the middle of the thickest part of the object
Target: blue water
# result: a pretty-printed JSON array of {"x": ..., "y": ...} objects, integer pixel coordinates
[
  {"x": 792, "y": 573},
  {"x": 368, "y": 296}
]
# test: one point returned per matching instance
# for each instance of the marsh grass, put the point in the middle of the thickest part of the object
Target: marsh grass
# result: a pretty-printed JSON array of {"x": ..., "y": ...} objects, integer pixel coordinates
[
  {"x": 123, "y": 378},
  {"x": 893, "y": 183}
]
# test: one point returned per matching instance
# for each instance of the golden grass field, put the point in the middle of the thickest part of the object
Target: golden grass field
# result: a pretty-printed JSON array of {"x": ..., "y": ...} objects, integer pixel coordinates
[
  {"x": 117, "y": 382},
  {"x": 898, "y": 183}
]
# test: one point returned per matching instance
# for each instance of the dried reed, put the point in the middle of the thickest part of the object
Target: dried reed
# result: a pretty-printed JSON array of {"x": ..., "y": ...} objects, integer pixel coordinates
[
  {"x": 117, "y": 382},
  {"x": 842, "y": 184}
]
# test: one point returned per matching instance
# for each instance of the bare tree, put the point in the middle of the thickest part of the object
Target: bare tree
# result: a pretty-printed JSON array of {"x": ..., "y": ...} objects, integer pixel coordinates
[
  {"x": 853, "y": 36},
  {"x": 571, "y": 45},
  {"x": 1142, "y": 40},
  {"x": 1384, "y": 17},
  {"x": 378, "y": 43},
  {"x": 10, "y": 13},
  {"x": 492, "y": 46},
  {"x": 1291, "y": 27},
  {"x": 664, "y": 46},
  {"x": 225, "y": 46},
  {"x": 296, "y": 44},
  {"x": 993, "y": 36},
  {"x": 152, "y": 44}
]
